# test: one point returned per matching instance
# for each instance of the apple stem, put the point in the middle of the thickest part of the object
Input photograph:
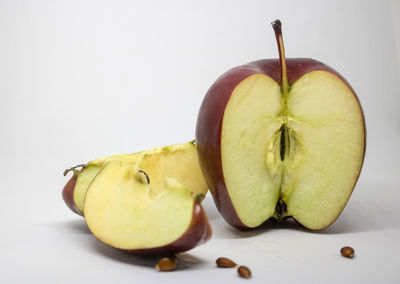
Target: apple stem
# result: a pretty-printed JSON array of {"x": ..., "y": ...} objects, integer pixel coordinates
[
  {"x": 73, "y": 168},
  {"x": 277, "y": 25}
]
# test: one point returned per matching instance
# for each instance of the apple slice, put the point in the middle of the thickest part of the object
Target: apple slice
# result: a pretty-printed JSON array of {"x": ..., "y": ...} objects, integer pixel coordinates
[
  {"x": 145, "y": 212},
  {"x": 75, "y": 189},
  {"x": 178, "y": 160},
  {"x": 281, "y": 138}
]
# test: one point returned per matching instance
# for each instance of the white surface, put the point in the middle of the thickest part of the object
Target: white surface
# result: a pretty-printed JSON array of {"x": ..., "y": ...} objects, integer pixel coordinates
[{"x": 83, "y": 79}]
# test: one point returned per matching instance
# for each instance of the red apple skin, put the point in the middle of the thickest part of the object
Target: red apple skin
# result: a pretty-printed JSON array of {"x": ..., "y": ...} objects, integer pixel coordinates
[
  {"x": 68, "y": 194},
  {"x": 209, "y": 121},
  {"x": 199, "y": 232}
]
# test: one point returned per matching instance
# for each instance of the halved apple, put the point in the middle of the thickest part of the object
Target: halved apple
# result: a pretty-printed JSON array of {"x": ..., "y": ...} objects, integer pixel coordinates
[
  {"x": 146, "y": 208},
  {"x": 178, "y": 160},
  {"x": 279, "y": 138}
]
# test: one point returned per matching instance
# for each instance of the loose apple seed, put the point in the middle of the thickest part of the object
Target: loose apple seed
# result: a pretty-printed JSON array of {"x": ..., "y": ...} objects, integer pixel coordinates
[
  {"x": 347, "y": 252},
  {"x": 244, "y": 272},
  {"x": 167, "y": 264},
  {"x": 225, "y": 262}
]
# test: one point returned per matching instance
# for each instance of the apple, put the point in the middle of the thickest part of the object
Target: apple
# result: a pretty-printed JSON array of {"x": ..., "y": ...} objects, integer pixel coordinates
[
  {"x": 178, "y": 160},
  {"x": 75, "y": 189},
  {"x": 147, "y": 208},
  {"x": 281, "y": 138}
]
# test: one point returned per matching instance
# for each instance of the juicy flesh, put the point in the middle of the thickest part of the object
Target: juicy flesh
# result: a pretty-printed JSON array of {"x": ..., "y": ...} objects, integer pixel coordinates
[
  {"x": 175, "y": 161},
  {"x": 121, "y": 210},
  {"x": 82, "y": 184},
  {"x": 89, "y": 173},
  {"x": 178, "y": 162},
  {"x": 147, "y": 203},
  {"x": 306, "y": 158}
]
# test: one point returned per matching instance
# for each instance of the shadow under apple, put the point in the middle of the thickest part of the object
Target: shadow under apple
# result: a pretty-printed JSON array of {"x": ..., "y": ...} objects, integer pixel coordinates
[
  {"x": 185, "y": 260},
  {"x": 364, "y": 213}
]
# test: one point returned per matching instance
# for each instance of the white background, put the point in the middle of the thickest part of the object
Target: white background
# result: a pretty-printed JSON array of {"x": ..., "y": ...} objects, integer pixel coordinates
[{"x": 86, "y": 79}]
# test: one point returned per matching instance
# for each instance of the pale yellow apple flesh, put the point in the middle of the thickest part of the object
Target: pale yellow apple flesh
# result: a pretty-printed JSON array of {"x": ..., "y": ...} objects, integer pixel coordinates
[
  {"x": 82, "y": 183},
  {"x": 124, "y": 211},
  {"x": 179, "y": 160},
  {"x": 313, "y": 176},
  {"x": 92, "y": 168}
]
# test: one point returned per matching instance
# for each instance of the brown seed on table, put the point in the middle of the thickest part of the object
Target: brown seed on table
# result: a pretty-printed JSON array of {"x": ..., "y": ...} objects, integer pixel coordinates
[
  {"x": 167, "y": 264},
  {"x": 347, "y": 252},
  {"x": 225, "y": 262},
  {"x": 244, "y": 272}
]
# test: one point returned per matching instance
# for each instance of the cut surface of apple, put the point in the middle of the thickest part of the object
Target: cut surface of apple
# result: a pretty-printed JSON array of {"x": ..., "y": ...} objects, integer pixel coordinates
[
  {"x": 75, "y": 190},
  {"x": 320, "y": 162},
  {"x": 126, "y": 208},
  {"x": 91, "y": 170},
  {"x": 281, "y": 138},
  {"x": 178, "y": 162},
  {"x": 172, "y": 161}
]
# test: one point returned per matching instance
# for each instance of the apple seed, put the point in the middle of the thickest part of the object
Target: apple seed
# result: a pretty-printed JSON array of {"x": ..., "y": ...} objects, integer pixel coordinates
[
  {"x": 225, "y": 262},
  {"x": 244, "y": 272},
  {"x": 347, "y": 252},
  {"x": 167, "y": 264},
  {"x": 143, "y": 177}
]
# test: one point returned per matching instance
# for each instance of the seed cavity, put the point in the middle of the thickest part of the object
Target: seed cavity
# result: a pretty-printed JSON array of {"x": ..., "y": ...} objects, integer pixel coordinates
[
  {"x": 285, "y": 142},
  {"x": 272, "y": 158},
  {"x": 282, "y": 146}
]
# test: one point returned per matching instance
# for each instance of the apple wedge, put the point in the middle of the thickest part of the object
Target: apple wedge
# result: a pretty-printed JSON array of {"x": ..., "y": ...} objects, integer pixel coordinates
[
  {"x": 144, "y": 208},
  {"x": 178, "y": 160},
  {"x": 75, "y": 189},
  {"x": 281, "y": 138}
]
